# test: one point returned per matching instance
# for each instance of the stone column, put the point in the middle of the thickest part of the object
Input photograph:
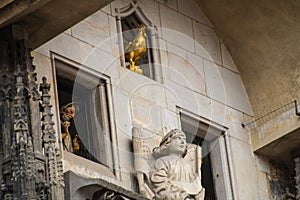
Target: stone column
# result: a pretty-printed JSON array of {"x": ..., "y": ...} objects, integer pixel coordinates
[{"x": 23, "y": 163}]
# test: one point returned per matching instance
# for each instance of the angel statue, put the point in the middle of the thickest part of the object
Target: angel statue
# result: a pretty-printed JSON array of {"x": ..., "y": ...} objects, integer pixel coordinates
[{"x": 172, "y": 171}]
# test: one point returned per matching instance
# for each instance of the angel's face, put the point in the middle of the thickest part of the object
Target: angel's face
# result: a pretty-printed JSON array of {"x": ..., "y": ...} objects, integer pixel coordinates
[{"x": 178, "y": 144}]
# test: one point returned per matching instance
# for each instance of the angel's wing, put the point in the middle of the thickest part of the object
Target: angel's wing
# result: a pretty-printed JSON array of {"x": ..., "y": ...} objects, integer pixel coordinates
[{"x": 143, "y": 143}]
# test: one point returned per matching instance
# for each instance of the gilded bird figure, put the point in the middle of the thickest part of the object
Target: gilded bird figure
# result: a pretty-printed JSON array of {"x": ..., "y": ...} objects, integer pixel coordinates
[{"x": 135, "y": 49}]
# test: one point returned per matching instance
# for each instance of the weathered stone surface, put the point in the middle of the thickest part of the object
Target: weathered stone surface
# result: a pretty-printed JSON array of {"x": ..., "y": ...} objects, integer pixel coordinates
[
  {"x": 66, "y": 45},
  {"x": 191, "y": 9},
  {"x": 242, "y": 158},
  {"x": 93, "y": 30},
  {"x": 169, "y": 3},
  {"x": 214, "y": 82},
  {"x": 226, "y": 86},
  {"x": 227, "y": 59},
  {"x": 151, "y": 10},
  {"x": 207, "y": 42},
  {"x": 147, "y": 112},
  {"x": 180, "y": 33},
  {"x": 263, "y": 182},
  {"x": 123, "y": 110},
  {"x": 186, "y": 68}
]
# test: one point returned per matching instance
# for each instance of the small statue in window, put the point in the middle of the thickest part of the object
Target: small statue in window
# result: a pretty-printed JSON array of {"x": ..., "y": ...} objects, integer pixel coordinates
[
  {"x": 71, "y": 141},
  {"x": 70, "y": 138},
  {"x": 135, "y": 49}
]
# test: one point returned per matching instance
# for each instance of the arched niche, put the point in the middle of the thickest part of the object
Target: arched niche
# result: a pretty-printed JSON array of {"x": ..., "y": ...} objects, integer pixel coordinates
[{"x": 127, "y": 19}]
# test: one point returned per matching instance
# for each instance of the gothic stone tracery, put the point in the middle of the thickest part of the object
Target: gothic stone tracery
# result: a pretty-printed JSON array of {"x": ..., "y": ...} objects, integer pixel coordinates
[{"x": 27, "y": 157}]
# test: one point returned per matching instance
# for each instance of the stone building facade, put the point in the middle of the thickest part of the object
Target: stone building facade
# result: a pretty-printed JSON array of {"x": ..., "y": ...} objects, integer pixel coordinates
[{"x": 189, "y": 82}]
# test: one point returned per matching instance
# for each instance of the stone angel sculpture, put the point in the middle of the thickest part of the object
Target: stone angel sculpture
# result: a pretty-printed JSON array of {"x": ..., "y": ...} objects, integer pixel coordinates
[{"x": 167, "y": 168}]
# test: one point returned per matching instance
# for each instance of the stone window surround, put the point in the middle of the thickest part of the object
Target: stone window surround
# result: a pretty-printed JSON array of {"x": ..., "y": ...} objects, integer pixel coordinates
[
  {"x": 221, "y": 161},
  {"x": 115, "y": 168},
  {"x": 126, "y": 11}
]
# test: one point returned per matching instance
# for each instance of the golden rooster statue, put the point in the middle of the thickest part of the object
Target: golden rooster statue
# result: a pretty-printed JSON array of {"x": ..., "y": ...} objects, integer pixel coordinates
[{"x": 135, "y": 49}]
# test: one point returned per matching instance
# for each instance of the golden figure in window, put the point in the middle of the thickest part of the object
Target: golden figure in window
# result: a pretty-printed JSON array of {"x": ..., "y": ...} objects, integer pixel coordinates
[
  {"x": 70, "y": 138},
  {"x": 135, "y": 49},
  {"x": 71, "y": 141}
]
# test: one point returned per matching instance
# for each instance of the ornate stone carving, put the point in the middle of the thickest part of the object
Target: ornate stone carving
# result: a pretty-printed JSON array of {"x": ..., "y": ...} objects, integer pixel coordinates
[
  {"x": 297, "y": 177},
  {"x": 287, "y": 195},
  {"x": 53, "y": 162},
  {"x": 19, "y": 139},
  {"x": 143, "y": 144},
  {"x": 169, "y": 170},
  {"x": 24, "y": 164}
]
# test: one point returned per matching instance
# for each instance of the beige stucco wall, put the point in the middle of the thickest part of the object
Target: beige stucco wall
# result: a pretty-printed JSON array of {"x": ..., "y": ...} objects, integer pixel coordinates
[{"x": 198, "y": 76}]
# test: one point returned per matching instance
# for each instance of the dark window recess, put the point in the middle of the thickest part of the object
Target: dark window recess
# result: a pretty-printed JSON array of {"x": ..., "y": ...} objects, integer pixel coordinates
[
  {"x": 195, "y": 133},
  {"x": 88, "y": 93}
]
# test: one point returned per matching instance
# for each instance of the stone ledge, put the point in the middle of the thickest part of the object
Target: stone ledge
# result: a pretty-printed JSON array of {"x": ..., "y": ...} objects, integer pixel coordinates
[{"x": 78, "y": 187}]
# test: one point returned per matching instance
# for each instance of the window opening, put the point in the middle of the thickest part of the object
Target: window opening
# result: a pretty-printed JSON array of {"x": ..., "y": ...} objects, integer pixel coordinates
[
  {"x": 88, "y": 129},
  {"x": 196, "y": 134}
]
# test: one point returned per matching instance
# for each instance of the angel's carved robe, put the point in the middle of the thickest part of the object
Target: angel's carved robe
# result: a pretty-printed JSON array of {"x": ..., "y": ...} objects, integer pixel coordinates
[{"x": 175, "y": 179}]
